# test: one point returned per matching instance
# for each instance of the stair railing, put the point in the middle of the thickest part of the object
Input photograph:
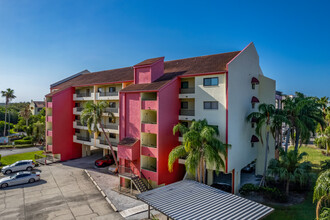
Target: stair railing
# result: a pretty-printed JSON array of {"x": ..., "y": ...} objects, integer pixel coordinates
[{"x": 149, "y": 187}]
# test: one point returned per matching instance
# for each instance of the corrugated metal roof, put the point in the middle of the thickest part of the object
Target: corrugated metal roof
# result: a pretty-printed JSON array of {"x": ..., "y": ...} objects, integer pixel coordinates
[{"x": 189, "y": 199}]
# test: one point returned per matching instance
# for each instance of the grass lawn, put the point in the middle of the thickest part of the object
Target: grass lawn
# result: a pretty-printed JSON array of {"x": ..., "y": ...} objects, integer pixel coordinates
[
  {"x": 306, "y": 209},
  {"x": 6, "y": 160}
]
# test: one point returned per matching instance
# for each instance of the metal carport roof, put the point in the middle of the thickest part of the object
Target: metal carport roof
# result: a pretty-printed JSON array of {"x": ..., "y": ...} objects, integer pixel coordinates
[{"x": 189, "y": 199}]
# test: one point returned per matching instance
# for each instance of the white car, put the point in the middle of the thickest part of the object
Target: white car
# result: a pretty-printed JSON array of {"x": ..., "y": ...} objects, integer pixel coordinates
[
  {"x": 20, "y": 178},
  {"x": 18, "y": 166}
]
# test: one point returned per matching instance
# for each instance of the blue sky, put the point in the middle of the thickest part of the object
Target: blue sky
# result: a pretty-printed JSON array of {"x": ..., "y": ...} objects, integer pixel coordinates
[{"x": 43, "y": 41}]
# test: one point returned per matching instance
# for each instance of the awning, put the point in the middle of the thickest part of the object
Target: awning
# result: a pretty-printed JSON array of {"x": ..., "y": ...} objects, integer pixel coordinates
[{"x": 189, "y": 199}]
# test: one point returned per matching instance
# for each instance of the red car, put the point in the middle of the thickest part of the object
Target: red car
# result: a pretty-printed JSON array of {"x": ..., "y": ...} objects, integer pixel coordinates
[{"x": 107, "y": 160}]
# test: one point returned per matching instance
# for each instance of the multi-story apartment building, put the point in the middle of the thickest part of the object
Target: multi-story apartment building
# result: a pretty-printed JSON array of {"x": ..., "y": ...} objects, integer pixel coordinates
[
  {"x": 36, "y": 107},
  {"x": 149, "y": 98}
]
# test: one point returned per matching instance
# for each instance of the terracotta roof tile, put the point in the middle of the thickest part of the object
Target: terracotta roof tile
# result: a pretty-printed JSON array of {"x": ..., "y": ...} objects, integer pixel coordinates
[{"x": 149, "y": 61}]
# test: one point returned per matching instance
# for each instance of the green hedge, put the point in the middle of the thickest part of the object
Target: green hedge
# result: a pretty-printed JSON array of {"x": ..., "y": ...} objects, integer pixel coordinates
[
  {"x": 27, "y": 138},
  {"x": 16, "y": 146},
  {"x": 19, "y": 142}
]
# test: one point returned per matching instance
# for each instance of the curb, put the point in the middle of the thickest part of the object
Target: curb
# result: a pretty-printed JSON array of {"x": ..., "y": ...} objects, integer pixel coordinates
[{"x": 103, "y": 194}]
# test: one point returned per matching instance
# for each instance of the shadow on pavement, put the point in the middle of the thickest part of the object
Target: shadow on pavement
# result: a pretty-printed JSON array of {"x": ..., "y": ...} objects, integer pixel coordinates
[{"x": 27, "y": 185}]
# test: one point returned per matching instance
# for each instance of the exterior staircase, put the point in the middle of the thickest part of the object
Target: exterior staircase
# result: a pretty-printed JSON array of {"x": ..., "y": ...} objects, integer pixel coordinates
[{"x": 139, "y": 184}]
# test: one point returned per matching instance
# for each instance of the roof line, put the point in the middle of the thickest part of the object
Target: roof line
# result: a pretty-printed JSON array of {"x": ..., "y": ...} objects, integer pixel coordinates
[{"x": 69, "y": 78}]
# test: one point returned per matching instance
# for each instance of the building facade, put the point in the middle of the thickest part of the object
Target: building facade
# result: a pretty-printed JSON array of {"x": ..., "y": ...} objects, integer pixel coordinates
[
  {"x": 149, "y": 98},
  {"x": 36, "y": 107}
]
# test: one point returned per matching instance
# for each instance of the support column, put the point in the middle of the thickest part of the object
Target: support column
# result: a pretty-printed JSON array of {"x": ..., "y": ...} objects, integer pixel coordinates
[
  {"x": 209, "y": 177},
  {"x": 88, "y": 150},
  {"x": 236, "y": 175},
  {"x": 83, "y": 150}
]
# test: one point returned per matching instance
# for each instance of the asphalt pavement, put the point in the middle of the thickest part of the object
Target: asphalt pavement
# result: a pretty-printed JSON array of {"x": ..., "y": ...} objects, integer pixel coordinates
[{"x": 6, "y": 152}]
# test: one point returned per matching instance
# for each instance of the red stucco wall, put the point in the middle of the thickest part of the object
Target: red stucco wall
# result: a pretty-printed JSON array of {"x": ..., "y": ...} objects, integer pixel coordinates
[{"x": 62, "y": 126}]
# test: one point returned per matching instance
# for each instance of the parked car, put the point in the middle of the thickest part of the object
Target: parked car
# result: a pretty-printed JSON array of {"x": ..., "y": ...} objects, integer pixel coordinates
[
  {"x": 18, "y": 166},
  {"x": 107, "y": 160},
  {"x": 222, "y": 186},
  {"x": 20, "y": 178}
]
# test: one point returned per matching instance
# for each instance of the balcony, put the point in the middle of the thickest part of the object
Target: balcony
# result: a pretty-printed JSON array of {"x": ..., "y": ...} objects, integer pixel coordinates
[
  {"x": 149, "y": 174},
  {"x": 79, "y": 125},
  {"x": 49, "y": 133},
  {"x": 187, "y": 93},
  {"x": 129, "y": 149},
  {"x": 107, "y": 96},
  {"x": 149, "y": 128},
  {"x": 149, "y": 151},
  {"x": 83, "y": 96},
  {"x": 149, "y": 104},
  {"x": 49, "y": 118},
  {"x": 102, "y": 143},
  {"x": 77, "y": 110},
  {"x": 187, "y": 114},
  {"x": 110, "y": 128},
  {"x": 81, "y": 139},
  {"x": 115, "y": 111},
  {"x": 49, "y": 104},
  {"x": 49, "y": 147}
]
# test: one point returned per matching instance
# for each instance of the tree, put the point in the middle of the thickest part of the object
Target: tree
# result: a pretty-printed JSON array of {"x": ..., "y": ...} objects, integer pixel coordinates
[
  {"x": 92, "y": 115},
  {"x": 39, "y": 131},
  {"x": 200, "y": 146},
  {"x": 289, "y": 168},
  {"x": 9, "y": 95},
  {"x": 270, "y": 118},
  {"x": 26, "y": 114},
  {"x": 322, "y": 193}
]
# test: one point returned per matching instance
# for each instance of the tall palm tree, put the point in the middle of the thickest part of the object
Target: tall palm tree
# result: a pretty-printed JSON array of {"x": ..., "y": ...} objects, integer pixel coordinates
[
  {"x": 92, "y": 115},
  {"x": 26, "y": 114},
  {"x": 289, "y": 167},
  {"x": 322, "y": 191},
  {"x": 201, "y": 147},
  {"x": 9, "y": 95},
  {"x": 270, "y": 118}
]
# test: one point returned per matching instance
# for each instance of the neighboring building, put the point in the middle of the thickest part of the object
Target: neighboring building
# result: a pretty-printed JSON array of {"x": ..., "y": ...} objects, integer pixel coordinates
[
  {"x": 36, "y": 106},
  {"x": 149, "y": 98}
]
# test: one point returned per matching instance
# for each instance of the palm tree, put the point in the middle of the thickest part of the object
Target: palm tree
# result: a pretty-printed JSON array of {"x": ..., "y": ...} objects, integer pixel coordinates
[
  {"x": 92, "y": 115},
  {"x": 271, "y": 118},
  {"x": 322, "y": 192},
  {"x": 39, "y": 131},
  {"x": 289, "y": 167},
  {"x": 9, "y": 95},
  {"x": 200, "y": 146},
  {"x": 26, "y": 114}
]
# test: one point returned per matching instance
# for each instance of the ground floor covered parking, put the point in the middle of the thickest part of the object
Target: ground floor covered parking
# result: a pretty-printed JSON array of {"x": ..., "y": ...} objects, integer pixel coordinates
[{"x": 189, "y": 199}]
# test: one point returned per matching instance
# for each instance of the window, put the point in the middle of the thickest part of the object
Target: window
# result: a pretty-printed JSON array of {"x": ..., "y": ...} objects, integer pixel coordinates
[
  {"x": 210, "y": 105},
  {"x": 112, "y": 89},
  {"x": 77, "y": 131},
  {"x": 112, "y": 105},
  {"x": 112, "y": 120},
  {"x": 111, "y": 135},
  {"x": 87, "y": 91},
  {"x": 99, "y": 90},
  {"x": 184, "y": 105},
  {"x": 214, "y": 81},
  {"x": 184, "y": 85}
]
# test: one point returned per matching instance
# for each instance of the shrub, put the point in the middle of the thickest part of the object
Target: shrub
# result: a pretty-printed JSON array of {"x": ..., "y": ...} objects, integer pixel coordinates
[
  {"x": 247, "y": 188},
  {"x": 27, "y": 138},
  {"x": 273, "y": 194},
  {"x": 325, "y": 165},
  {"x": 321, "y": 142},
  {"x": 19, "y": 142}
]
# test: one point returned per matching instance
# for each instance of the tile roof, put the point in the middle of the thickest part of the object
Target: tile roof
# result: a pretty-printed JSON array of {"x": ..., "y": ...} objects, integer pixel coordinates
[
  {"x": 39, "y": 104},
  {"x": 149, "y": 61},
  {"x": 173, "y": 68}
]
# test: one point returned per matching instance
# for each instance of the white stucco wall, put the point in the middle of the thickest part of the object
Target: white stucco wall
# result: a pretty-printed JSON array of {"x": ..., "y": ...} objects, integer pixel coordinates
[
  {"x": 266, "y": 90},
  {"x": 240, "y": 72}
]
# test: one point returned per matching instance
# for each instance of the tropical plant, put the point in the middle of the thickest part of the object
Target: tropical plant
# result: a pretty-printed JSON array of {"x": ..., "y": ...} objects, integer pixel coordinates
[
  {"x": 322, "y": 194},
  {"x": 39, "y": 131},
  {"x": 9, "y": 95},
  {"x": 200, "y": 146},
  {"x": 303, "y": 114},
  {"x": 290, "y": 168},
  {"x": 325, "y": 165},
  {"x": 272, "y": 119},
  {"x": 92, "y": 116},
  {"x": 25, "y": 113}
]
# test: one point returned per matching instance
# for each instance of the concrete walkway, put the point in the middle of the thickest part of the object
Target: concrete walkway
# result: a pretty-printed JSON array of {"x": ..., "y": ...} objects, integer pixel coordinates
[{"x": 62, "y": 193}]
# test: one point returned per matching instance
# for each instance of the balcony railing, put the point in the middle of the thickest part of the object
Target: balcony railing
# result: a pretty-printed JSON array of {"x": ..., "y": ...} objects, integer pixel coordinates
[
  {"x": 80, "y": 124},
  {"x": 187, "y": 112},
  {"x": 111, "y": 126},
  {"x": 149, "y": 145},
  {"x": 187, "y": 90},
  {"x": 80, "y": 109},
  {"x": 108, "y": 93},
  {"x": 126, "y": 171},
  {"x": 149, "y": 122},
  {"x": 83, "y": 95},
  {"x": 113, "y": 110},
  {"x": 83, "y": 138}
]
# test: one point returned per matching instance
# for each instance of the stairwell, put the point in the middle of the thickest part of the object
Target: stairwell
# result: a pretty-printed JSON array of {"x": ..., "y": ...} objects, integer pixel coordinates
[{"x": 139, "y": 184}]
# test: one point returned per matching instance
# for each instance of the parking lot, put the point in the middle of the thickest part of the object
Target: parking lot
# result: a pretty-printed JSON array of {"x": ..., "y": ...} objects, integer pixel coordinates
[{"x": 64, "y": 192}]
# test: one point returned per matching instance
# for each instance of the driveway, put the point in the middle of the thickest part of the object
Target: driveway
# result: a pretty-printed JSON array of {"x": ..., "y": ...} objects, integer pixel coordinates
[
  {"x": 6, "y": 152},
  {"x": 64, "y": 192}
]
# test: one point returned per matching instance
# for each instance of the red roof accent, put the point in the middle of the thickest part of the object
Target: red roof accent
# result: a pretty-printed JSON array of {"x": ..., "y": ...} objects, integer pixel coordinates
[
  {"x": 254, "y": 100},
  {"x": 254, "y": 139},
  {"x": 254, "y": 80}
]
